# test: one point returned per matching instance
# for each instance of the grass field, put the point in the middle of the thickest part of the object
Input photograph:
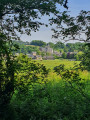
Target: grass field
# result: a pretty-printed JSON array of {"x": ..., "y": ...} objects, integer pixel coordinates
[
  {"x": 53, "y": 63},
  {"x": 50, "y": 64}
]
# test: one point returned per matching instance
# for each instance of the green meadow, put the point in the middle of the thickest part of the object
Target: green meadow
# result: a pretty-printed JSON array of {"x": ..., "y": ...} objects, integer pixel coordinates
[
  {"x": 54, "y": 78},
  {"x": 50, "y": 64}
]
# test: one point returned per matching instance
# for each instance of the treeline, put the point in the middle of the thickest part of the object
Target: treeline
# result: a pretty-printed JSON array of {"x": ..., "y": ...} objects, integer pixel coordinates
[
  {"x": 69, "y": 50},
  {"x": 69, "y": 47},
  {"x": 24, "y": 47},
  {"x": 59, "y": 46}
]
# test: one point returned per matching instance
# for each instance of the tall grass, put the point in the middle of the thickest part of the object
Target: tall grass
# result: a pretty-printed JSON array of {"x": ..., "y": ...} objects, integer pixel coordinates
[{"x": 50, "y": 64}]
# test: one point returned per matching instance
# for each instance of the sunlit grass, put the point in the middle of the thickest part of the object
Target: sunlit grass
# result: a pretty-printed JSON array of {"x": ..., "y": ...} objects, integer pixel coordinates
[
  {"x": 53, "y": 63},
  {"x": 50, "y": 64}
]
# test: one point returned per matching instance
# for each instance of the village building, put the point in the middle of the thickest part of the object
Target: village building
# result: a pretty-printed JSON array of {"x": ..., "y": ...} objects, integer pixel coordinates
[
  {"x": 33, "y": 55},
  {"x": 47, "y": 49}
]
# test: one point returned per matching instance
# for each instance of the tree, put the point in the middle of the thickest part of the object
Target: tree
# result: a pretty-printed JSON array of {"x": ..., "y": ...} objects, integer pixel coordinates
[
  {"x": 7, "y": 70},
  {"x": 14, "y": 16},
  {"x": 79, "y": 56},
  {"x": 51, "y": 44},
  {"x": 38, "y": 43},
  {"x": 58, "y": 45},
  {"x": 64, "y": 55},
  {"x": 25, "y": 14},
  {"x": 86, "y": 57},
  {"x": 74, "y": 28}
]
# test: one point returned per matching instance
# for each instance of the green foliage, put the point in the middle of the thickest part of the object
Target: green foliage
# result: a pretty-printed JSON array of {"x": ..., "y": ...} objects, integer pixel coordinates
[
  {"x": 25, "y": 80},
  {"x": 51, "y": 101},
  {"x": 16, "y": 74},
  {"x": 86, "y": 57},
  {"x": 38, "y": 43},
  {"x": 79, "y": 56},
  {"x": 59, "y": 69},
  {"x": 29, "y": 72},
  {"x": 75, "y": 48},
  {"x": 51, "y": 44},
  {"x": 72, "y": 28},
  {"x": 56, "y": 57},
  {"x": 72, "y": 78},
  {"x": 58, "y": 45},
  {"x": 7, "y": 69},
  {"x": 65, "y": 99},
  {"x": 25, "y": 13},
  {"x": 36, "y": 98},
  {"x": 43, "y": 54},
  {"x": 64, "y": 55},
  {"x": 25, "y": 48}
]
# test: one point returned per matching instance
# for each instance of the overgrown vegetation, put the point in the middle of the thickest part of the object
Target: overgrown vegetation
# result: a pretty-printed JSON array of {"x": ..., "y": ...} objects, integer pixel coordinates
[{"x": 36, "y": 97}]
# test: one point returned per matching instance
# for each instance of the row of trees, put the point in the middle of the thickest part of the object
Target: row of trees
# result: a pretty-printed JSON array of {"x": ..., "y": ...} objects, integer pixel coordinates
[
  {"x": 59, "y": 46},
  {"x": 77, "y": 56},
  {"x": 69, "y": 51},
  {"x": 76, "y": 49}
]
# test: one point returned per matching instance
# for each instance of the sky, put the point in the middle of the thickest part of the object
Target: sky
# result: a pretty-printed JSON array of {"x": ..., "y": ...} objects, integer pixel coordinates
[{"x": 45, "y": 34}]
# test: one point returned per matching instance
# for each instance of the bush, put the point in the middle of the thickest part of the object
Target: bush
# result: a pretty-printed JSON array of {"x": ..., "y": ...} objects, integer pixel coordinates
[
  {"x": 66, "y": 99},
  {"x": 51, "y": 102}
]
